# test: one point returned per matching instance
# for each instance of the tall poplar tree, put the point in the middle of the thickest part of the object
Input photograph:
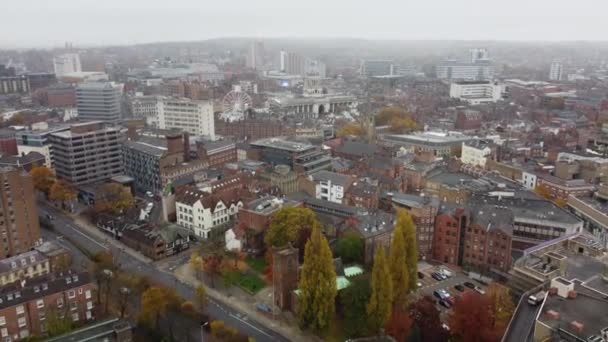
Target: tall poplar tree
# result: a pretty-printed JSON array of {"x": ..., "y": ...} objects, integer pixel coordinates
[
  {"x": 411, "y": 247},
  {"x": 380, "y": 302},
  {"x": 397, "y": 264},
  {"x": 316, "y": 300}
]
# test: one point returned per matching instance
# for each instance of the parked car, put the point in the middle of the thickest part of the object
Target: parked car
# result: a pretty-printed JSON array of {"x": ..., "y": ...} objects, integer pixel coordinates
[
  {"x": 445, "y": 304},
  {"x": 446, "y": 272},
  {"x": 441, "y": 294},
  {"x": 149, "y": 194},
  {"x": 451, "y": 300},
  {"x": 420, "y": 275},
  {"x": 469, "y": 285},
  {"x": 437, "y": 294},
  {"x": 459, "y": 287},
  {"x": 480, "y": 290},
  {"x": 437, "y": 276}
]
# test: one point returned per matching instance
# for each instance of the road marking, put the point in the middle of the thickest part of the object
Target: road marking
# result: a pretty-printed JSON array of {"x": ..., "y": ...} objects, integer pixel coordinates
[
  {"x": 88, "y": 237},
  {"x": 249, "y": 324}
]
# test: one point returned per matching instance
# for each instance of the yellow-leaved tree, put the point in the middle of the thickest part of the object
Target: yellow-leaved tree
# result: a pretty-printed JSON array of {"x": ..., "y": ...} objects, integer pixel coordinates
[
  {"x": 291, "y": 225},
  {"x": 397, "y": 263},
  {"x": 381, "y": 300},
  {"x": 43, "y": 178},
  {"x": 411, "y": 247},
  {"x": 113, "y": 198},
  {"x": 317, "y": 286}
]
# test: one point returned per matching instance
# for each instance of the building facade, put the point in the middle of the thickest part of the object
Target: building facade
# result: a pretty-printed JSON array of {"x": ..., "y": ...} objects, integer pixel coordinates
[
  {"x": 202, "y": 212},
  {"x": 66, "y": 64},
  {"x": 87, "y": 152},
  {"x": 194, "y": 117},
  {"x": 19, "y": 224},
  {"x": 476, "y": 92},
  {"x": 98, "y": 101}
]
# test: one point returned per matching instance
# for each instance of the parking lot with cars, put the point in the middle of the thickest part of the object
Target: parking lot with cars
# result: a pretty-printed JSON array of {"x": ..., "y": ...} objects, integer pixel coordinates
[{"x": 445, "y": 285}]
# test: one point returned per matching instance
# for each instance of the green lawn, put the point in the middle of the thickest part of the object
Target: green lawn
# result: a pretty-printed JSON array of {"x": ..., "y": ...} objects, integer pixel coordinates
[
  {"x": 249, "y": 282},
  {"x": 257, "y": 264}
]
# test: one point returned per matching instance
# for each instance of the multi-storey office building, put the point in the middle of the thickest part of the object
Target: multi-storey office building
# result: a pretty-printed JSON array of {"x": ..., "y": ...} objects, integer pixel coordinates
[
  {"x": 19, "y": 226},
  {"x": 99, "y": 101},
  {"x": 194, "y": 117},
  {"x": 37, "y": 140},
  {"x": 87, "y": 152}
]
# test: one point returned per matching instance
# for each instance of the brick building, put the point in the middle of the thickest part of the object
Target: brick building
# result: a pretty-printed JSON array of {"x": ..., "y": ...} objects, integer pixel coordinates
[
  {"x": 423, "y": 210},
  {"x": 8, "y": 142},
  {"x": 25, "y": 310},
  {"x": 216, "y": 153},
  {"x": 18, "y": 213},
  {"x": 479, "y": 238},
  {"x": 61, "y": 95}
]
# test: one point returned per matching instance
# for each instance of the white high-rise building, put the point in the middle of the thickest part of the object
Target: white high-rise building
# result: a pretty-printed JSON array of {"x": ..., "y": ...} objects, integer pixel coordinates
[
  {"x": 284, "y": 55},
  {"x": 255, "y": 57},
  {"x": 194, "y": 117},
  {"x": 476, "y": 92},
  {"x": 555, "y": 73},
  {"x": 66, "y": 64}
]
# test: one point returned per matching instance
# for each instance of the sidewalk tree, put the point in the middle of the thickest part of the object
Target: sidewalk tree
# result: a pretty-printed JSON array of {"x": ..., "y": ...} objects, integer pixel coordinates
[
  {"x": 354, "y": 301},
  {"x": 43, "y": 178},
  {"x": 397, "y": 263},
  {"x": 291, "y": 225},
  {"x": 158, "y": 303},
  {"x": 62, "y": 192},
  {"x": 350, "y": 248},
  {"x": 114, "y": 199},
  {"x": 316, "y": 300},
  {"x": 196, "y": 263},
  {"x": 380, "y": 302},
  {"x": 411, "y": 248}
]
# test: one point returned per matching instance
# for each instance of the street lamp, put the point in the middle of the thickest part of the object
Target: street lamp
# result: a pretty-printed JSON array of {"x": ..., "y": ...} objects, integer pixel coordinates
[{"x": 203, "y": 325}]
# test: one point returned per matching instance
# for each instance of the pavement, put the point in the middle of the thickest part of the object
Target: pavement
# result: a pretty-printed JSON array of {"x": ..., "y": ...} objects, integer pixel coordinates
[{"x": 93, "y": 240}]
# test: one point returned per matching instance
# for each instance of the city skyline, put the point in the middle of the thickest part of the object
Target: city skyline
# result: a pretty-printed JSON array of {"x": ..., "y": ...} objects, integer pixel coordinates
[{"x": 185, "y": 20}]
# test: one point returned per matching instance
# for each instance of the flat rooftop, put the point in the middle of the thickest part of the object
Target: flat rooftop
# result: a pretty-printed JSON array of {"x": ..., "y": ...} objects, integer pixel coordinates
[
  {"x": 430, "y": 138},
  {"x": 283, "y": 144}
]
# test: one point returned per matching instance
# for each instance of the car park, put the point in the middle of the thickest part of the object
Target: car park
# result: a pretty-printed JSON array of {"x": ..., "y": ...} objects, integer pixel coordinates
[
  {"x": 469, "y": 285},
  {"x": 459, "y": 287}
]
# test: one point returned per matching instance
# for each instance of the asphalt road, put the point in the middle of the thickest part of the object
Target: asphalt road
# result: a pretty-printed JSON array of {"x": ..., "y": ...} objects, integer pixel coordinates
[
  {"x": 523, "y": 322},
  {"x": 64, "y": 226}
]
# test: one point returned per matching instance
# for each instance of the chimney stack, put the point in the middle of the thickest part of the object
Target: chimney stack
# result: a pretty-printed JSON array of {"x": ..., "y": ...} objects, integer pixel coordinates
[
  {"x": 174, "y": 143},
  {"x": 186, "y": 136}
]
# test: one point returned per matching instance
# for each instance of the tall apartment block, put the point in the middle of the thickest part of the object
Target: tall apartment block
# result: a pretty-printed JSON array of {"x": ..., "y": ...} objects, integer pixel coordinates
[
  {"x": 88, "y": 152},
  {"x": 19, "y": 226},
  {"x": 98, "y": 101}
]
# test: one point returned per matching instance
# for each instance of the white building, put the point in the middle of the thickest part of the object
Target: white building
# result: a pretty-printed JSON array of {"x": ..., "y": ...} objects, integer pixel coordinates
[
  {"x": 194, "y": 117},
  {"x": 556, "y": 71},
  {"x": 476, "y": 92},
  {"x": 202, "y": 212},
  {"x": 479, "y": 55},
  {"x": 330, "y": 186},
  {"x": 475, "y": 153},
  {"x": 66, "y": 63},
  {"x": 528, "y": 179},
  {"x": 464, "y": 71}
]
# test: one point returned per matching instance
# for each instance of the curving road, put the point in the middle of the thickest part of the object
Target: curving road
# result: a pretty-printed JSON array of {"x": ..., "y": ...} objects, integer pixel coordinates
[{"x": 65, "y": 226}]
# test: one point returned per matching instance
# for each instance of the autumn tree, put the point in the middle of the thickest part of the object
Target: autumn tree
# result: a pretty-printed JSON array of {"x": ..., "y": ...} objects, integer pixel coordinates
[
  {"x": 354, "y": 300},
  {"x": 560, "y": 202},
  {"x": 470, "y": 319},
  {"x": 43, "y": 179},
  {"x": 380, "y": 301},
  {"x": 62, "y": 192},
  {"x": 354, "y": 129},
  {"x": 350, "y": 248},
  {"x": 397, "y": 263},
  {"x": 113, "y": 198},
  {"x": 221, "y": 332},
  {"x": 291, "y": 225},
  {"x": 543, "y": 191},
  {"x": 158, "y": 303},
  {"x": 501, "y": 307},
  {"x": 398, "y": 120},
  {"x": 399, "y": 325},
  {"x": 196, "y": 263},
  {"x": 317, "y": 286},
  {"x": 427, "y": 321},
  {"x": 102, "y": 269},
  {"x": 213, "y": 254},
  {"x": 411, "y": 247}
]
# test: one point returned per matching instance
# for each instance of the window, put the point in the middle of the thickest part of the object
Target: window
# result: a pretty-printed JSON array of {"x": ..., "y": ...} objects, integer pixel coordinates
[
  {"x": 73, "y": 306},
  {"x": 89, "y": 315},
  {"x": 89, "y": 305},
  {"x": 87, "y": 294},
  {"x": 40, "y": 303},
  {"x": 20, "y": 310},
  {"x": 2, "y": 320},
  {"x": 80, "y": 291},
  {"x": 21, "y": 321},
  {"x": 71, "y": 294},
  {"x": 75, "y": 317},
  {"x": 4, "y": 332},
  {"x": 59, "y": 302}
]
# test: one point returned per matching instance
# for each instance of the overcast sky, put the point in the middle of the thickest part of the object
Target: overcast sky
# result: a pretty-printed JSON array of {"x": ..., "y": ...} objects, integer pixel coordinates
[{"x": 44, "y": 23}]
